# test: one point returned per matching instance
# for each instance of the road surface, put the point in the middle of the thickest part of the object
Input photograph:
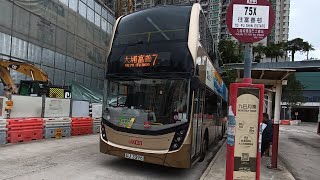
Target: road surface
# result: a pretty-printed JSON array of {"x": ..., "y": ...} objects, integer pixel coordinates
[
  {"x": 79, "y": 158},
  {"x": 299, "y": 149}
]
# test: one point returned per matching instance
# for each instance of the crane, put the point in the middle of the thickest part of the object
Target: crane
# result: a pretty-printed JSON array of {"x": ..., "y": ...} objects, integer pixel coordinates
[{"x": 20, "y": 66}]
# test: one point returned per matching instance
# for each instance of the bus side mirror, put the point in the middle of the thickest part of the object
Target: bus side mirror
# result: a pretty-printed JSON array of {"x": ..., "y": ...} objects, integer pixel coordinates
[{"x": 195, "y": 83}]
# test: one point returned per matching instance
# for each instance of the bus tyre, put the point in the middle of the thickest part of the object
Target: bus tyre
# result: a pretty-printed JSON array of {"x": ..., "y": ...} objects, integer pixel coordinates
[{"x": 203, "y": 149}]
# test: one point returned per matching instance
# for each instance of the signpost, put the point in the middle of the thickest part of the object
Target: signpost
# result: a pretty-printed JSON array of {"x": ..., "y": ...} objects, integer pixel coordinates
[
  {"x": 284, "y": 112},
  {"x": 296, "y": 114},
  {"x": 248, "y": 21}
]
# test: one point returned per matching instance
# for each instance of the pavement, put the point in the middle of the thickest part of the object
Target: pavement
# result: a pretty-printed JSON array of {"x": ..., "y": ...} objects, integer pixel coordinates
[
  {"x": 299, "y": 150},
  {"x": 217, "y": 168},
  {"x": 78, "y": 157}
]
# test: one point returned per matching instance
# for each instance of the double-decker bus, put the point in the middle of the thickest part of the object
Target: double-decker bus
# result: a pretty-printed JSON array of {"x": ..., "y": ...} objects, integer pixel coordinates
[{"x": 163, "y": 98}]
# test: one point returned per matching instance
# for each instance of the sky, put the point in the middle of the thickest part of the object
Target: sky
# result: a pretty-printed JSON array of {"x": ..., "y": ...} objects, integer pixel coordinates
[{"x": 304, "y": 22}]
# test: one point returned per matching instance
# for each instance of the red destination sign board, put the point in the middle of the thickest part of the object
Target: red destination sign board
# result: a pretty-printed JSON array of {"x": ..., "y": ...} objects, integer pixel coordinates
[{"x": 250, "y": 21}]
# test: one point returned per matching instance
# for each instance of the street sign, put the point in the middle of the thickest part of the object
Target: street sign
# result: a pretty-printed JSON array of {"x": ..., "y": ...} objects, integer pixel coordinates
[
  {"x": 250, "y": 21},
  {"x": 58, "y": 133}
]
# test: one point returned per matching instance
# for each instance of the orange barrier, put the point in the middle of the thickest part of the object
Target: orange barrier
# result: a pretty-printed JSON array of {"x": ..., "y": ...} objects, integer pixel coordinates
[
  {"x": 22, "y": 130},
  {"x": 285, "y": 122},
  {"x": 81, "y": 126}
]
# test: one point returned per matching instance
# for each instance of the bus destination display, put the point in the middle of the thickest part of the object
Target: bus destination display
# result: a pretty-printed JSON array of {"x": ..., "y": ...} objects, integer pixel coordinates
[{"x": 141, "y": 60}]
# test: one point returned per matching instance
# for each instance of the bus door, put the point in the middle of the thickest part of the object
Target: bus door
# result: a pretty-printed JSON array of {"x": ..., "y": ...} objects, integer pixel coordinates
[
  {"x": 198, "y": 103},
  {"x": 210, "y": 115},
  {"x": 219, "y": 114}
]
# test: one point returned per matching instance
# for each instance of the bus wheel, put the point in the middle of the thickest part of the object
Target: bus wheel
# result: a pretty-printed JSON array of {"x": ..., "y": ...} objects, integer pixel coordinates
[{"x": 204, "y": 148}]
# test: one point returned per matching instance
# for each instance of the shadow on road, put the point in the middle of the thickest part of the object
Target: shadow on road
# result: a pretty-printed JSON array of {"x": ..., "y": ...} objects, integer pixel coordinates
[
  {"x": 153, "y": 171},
  {"x": 137, "y": 167}
]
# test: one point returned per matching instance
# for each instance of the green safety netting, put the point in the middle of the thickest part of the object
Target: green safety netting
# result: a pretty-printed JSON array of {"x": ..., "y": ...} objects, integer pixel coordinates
[{"x": 81, "y": 92}]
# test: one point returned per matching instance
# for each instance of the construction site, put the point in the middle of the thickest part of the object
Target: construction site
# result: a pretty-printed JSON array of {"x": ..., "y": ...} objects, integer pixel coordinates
[{"x": 52, "y": 56}]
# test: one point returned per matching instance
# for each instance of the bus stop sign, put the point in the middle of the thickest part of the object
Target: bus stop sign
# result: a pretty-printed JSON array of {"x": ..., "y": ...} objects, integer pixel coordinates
[{"x": 250, "y": 21}]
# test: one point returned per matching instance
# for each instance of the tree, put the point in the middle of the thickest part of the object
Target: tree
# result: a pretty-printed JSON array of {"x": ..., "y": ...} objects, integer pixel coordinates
[
  {"x": 307, "y": 47},
  {"x": 295, "y": 45},
  {"x": 229, "y": 76},
  {"x": 275, "y": 51},
  {"x": 270, "y": 51},
  {"x": 258, "y": 51},
  {"x": 292, "y": 93},
  {"x": 280, "y": 50},
  {"x": 229, "y": 52}
]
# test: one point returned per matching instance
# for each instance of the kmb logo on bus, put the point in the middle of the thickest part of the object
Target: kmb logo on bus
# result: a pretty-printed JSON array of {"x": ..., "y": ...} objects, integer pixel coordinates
[{"x": 135, "y": 142}]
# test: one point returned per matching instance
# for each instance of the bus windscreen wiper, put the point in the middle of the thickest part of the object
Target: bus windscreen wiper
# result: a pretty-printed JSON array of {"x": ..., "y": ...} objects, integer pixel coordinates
[{"x": 132, "y": 44}]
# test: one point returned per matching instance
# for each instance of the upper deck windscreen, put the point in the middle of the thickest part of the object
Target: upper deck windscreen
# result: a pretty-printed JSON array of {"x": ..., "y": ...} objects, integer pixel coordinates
[
  {"x": 169, "y": 23},
  {"x": 152, "y": 41}
]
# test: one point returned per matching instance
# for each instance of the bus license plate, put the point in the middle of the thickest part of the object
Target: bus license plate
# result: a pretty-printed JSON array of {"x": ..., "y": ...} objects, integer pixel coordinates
[{"x": 134, "y": 156}]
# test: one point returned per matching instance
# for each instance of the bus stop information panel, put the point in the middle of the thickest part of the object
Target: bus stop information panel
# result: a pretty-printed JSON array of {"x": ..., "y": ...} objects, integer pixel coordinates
[{"x": 244, "y": 120}]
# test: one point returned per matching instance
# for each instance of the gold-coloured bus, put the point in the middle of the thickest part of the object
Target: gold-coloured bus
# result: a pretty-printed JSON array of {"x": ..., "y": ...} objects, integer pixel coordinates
[{"x": 164, "y": 100}]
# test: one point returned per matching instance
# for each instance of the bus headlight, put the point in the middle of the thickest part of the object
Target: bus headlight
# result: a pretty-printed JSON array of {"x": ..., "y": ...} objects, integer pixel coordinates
[
  {"x": 103, "y": 131},
  {"x": 178, "y": 138}
]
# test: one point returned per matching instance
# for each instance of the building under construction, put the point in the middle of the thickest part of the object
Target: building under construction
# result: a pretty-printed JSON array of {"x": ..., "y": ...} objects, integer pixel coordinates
[
  {"x": 123, "y": 7},
  {"x": 68, "y": 39}
]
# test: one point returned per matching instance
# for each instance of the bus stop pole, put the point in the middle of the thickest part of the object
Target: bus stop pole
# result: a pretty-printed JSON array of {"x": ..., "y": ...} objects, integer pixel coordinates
[
  {"x": 275, "y": 140},
  {"x": 247, "y": 63}
]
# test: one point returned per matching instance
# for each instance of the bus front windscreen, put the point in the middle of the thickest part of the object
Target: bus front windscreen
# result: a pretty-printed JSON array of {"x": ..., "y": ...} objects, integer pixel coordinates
[{"x": 146, "y": 104}]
